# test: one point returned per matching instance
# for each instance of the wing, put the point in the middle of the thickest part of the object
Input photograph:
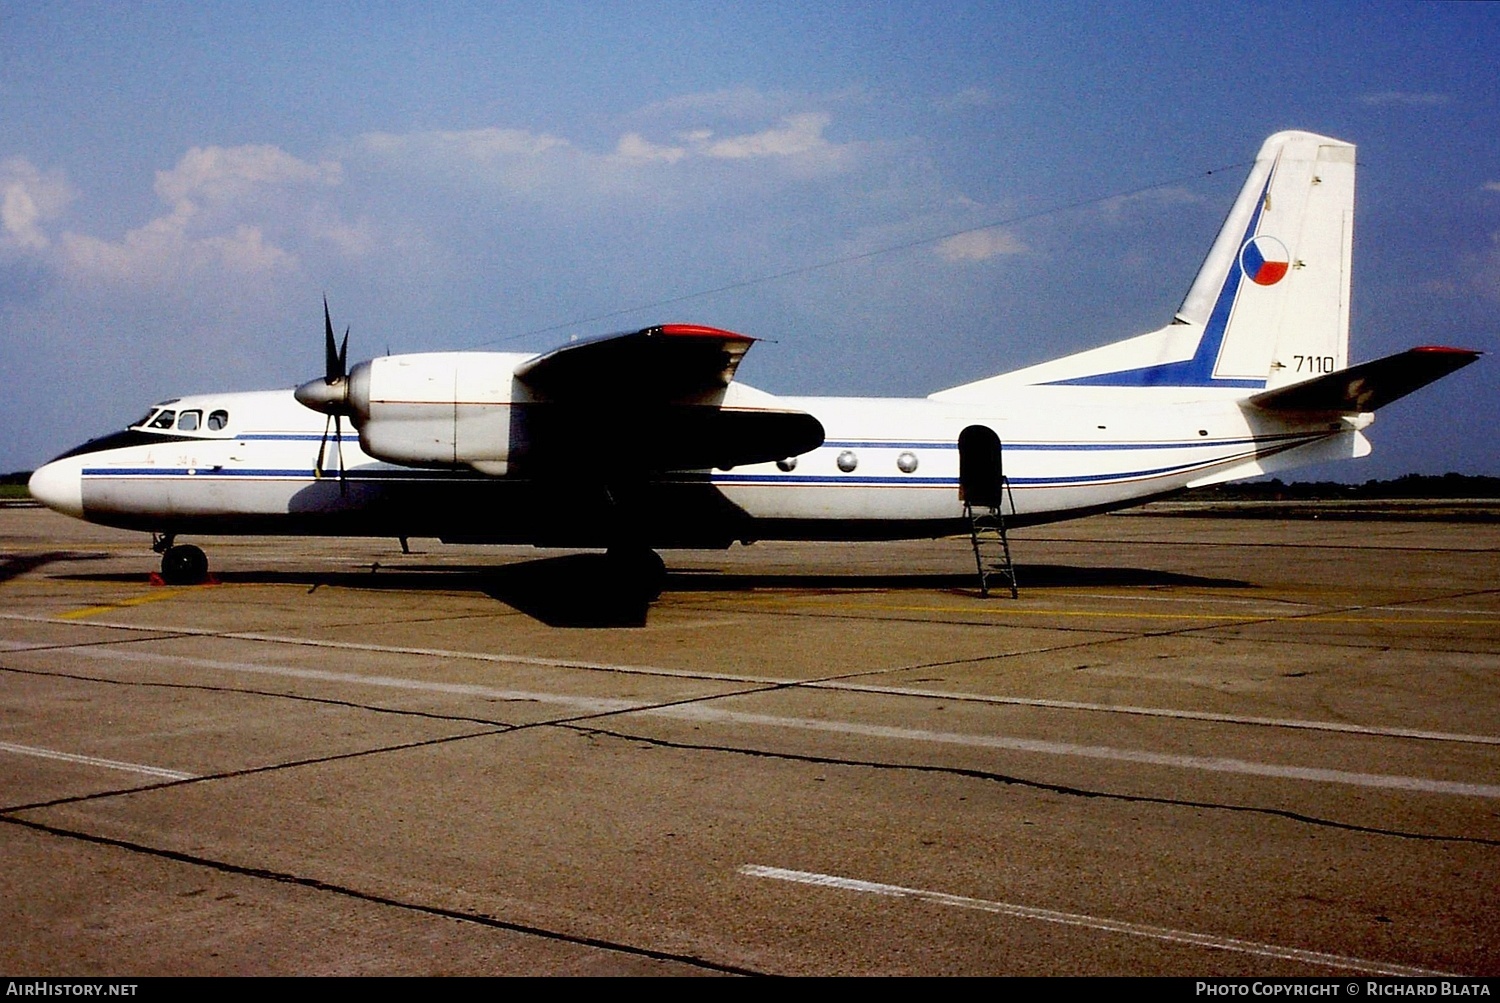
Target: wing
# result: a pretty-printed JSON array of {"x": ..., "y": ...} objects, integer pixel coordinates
[
  {"x": 669, "y": 363},
  {"x": 1369, "y": 385},
  {"x": 648, "y": 402}
]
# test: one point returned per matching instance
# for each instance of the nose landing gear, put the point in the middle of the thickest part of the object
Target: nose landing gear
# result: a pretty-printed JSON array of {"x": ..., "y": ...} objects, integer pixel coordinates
[{"x": 180, "y": 565}]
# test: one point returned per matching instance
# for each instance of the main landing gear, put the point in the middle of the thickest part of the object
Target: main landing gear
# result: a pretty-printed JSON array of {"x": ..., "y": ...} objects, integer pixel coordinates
[
  {"x": 180, "y": 565},
  {"x": 637, "y": 571}
]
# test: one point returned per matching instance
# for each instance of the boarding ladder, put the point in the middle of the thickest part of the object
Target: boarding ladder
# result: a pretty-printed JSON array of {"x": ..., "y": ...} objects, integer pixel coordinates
[
  {"x": 985, "y": 491},
  {"x": 991, "y": 546}
]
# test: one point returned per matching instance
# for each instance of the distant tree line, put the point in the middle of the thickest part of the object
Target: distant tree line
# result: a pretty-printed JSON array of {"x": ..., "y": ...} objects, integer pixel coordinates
[{"x": 1408, "y": 486}]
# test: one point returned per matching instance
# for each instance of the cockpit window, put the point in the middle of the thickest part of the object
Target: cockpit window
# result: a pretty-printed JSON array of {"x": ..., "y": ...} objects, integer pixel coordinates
[
  {"x": 144, "y": 418},
  {"x": 164, "y": 419},
  {"x": 217, "y": 420},
  {"x": 188, "y": 421}
]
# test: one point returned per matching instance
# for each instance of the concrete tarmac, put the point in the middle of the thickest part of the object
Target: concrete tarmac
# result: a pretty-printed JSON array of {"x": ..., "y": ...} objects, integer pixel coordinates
[{"x": 1192, "y": 747}]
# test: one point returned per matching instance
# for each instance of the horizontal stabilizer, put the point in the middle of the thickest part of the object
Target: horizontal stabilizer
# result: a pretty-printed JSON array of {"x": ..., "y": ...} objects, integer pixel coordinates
[{"x": 1369, "y": 385}]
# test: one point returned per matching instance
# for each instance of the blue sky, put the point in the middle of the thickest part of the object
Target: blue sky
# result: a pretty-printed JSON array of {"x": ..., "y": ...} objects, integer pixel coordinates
[{"x": 180, "y": 184}]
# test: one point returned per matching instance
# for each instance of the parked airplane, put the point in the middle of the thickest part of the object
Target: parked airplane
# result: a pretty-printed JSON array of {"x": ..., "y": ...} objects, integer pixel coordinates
[{"x": 644, "y": 440}]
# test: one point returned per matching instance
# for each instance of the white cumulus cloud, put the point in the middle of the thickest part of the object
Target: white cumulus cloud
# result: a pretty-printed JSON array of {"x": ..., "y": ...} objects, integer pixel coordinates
[
  {"x": 633, "y": 146},
  {"x": 488, "y": 144},
  {"x": 797, "y": 134},
  {"x": 29, "y": 197},
  {"x": 164, "y": 251},
  {"x": 979, "y": 245},
  {"x": 225, "y": 174},
  {"x": 517, "y": 161},
  {"x": 685, "y": 166},
  {"x": 220, "y": 206}
]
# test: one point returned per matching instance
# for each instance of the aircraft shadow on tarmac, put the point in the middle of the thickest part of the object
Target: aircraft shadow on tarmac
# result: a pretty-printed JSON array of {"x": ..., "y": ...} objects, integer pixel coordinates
[
  {"x": 15, "y": 565},
  {"x": 575, "y": 590}
]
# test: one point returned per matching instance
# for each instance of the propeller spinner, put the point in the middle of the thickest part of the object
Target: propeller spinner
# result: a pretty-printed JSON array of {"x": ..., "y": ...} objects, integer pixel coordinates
[{"x": 330, "y": 395}]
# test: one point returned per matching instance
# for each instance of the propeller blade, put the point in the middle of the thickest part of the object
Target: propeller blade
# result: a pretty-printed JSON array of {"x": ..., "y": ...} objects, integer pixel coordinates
[
  {"x": 333, "y": 358},
  {"x": 338, "y": 431},
  {"x": 322, "y": 446},
  {"x": 331, "y": 396}
]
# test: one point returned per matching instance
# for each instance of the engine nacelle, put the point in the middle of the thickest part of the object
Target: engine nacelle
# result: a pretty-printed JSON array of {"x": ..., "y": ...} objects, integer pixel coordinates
[
  {"x": 438, "y": 409},
  {"x": 635, "y": 405}
]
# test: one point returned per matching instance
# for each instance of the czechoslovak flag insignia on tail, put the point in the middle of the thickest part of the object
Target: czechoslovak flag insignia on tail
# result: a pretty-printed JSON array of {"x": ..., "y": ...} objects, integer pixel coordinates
[{"x": 1264, "y": 260}]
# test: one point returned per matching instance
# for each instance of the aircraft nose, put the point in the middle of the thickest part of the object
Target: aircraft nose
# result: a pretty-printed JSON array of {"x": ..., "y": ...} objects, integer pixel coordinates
[{"x": 59, "y": 486}]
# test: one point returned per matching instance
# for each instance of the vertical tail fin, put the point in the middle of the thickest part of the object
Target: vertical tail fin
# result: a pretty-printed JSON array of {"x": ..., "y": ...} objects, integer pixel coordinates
[
  {"x": 1274, "y": 290},
  {"x": 1269, "y": 307}
]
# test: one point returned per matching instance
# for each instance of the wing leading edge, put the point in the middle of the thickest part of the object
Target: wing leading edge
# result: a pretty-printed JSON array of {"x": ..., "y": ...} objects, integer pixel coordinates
[
  {"x": 668, "y": 363},
  {"x": 652, "y": 401}
]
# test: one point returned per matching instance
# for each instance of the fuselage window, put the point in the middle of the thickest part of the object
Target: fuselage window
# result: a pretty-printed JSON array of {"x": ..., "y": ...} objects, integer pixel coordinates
[
  {"x": 164, "y": 419},
  {"x": 188, "y": 421},
  {"x": 217, "y": 420}
]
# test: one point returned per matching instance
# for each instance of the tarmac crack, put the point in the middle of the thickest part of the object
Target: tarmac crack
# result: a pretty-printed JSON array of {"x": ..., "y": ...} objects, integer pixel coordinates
[
  {"x": 250, "y": 771},
  {"x": 497, "y": 729},
  {"x": 249, "y": 691},
  {"x": 166, "y": 634},
  {"x": 1168, "y": 632},
  {"x": 575, "y": 722},
  {"x": 1039, "y": 785},
  {"x": 1117, "y": 634},
  {"x": 318, "y": 884}
]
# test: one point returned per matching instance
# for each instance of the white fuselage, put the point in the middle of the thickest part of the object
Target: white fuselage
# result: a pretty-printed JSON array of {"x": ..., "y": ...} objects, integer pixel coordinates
[{"x": 888, "y": 468}]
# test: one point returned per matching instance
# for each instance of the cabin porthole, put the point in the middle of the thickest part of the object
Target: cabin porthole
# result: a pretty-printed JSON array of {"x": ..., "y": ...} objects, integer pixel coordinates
[
  {"x": 907, "y": 463},
  {"x": 787, "y": 465},
  {"x": 847, "y": 461}
]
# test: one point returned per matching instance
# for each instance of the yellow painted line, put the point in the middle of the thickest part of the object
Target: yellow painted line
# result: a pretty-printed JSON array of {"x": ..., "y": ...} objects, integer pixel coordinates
[{"x": 154, "y": 596}]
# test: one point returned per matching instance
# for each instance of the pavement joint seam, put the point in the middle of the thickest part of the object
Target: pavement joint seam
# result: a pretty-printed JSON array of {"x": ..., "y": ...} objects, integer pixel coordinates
[
  {"x": 318, "y": 884},
  {"x": 1040, "y": 785},
  {"x": 255, "y": 770},
  {"x": 251, "y": 691}
]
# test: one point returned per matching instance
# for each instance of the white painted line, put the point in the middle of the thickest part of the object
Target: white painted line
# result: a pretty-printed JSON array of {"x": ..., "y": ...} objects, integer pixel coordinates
[
  {"x": 1188, "y": 715},
  {"x": 1272, "y": 605},
  {"x": 1434, "y": 609},
  {"x": 1129, "y": 929},
  {"x": 651, "y": 670},
  {"x": 1211, "y": 764},
  {"x": 108, "y": 764},
  {"x": 588, "y": 704},
  {"x": 390, "y": 649},
  {"x": 700, "y": 712}
]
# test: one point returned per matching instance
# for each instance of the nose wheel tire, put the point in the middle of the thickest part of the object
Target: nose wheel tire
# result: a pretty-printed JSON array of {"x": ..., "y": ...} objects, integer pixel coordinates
[{"x": 184, "y": 565}]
